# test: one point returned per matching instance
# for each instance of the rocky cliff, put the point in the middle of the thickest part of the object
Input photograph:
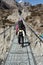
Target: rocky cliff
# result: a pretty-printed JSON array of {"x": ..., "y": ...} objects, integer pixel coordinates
[
  {"x": 36, "y": 17},
  {"x": 8, "y": 4},
  {"x": 32, "y": 14}
]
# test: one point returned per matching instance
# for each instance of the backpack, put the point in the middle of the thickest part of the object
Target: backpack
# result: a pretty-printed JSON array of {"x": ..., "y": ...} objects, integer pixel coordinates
[
  {"x": 21, "y": 33},
  {"x": 17, "y": 29}
]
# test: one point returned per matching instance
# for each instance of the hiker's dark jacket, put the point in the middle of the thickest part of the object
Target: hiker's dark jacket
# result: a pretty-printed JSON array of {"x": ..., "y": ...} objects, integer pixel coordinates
[{"x": 22, "y": 26}]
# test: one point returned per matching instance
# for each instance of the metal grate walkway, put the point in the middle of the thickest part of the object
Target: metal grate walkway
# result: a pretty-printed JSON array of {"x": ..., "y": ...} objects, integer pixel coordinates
[{"x": 19, "y": 55}]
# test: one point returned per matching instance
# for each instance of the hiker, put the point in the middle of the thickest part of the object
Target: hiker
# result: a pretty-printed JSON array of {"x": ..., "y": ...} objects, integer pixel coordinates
[
  {"x": 22, "y": 31},
  {"x": 22, "y": 26},
  {"x": 20, "y": 12}
]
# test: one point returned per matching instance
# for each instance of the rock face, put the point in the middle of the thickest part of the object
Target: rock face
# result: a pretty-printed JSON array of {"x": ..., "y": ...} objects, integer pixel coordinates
[
  {"x": 36, "y": 17},
  {"x": 8, "y": 4},
  {"x": 25, "y": 4},
  {"x": 11, "y": 3},
  {"x": 13, "y": 17},
  {"x": 6, "y": 7}
]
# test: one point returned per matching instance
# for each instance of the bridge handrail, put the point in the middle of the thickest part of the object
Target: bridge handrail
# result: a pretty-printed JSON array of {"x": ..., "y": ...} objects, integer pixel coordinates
[
  {"x": 29, "y": 26},
  {"x": 6, "y": 30},
  {"x": 35, "y": 33}
]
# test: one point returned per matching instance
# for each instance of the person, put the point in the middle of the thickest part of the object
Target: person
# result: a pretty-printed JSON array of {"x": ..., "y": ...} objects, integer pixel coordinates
[
  {"x": 22, "y": 31},
  {"x": 22, "y": 26},
  {"x": 20, "y": 12}
]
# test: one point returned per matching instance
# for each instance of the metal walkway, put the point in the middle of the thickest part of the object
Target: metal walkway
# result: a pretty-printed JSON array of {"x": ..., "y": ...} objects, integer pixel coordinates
[{"x": 19, "y": 55}]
